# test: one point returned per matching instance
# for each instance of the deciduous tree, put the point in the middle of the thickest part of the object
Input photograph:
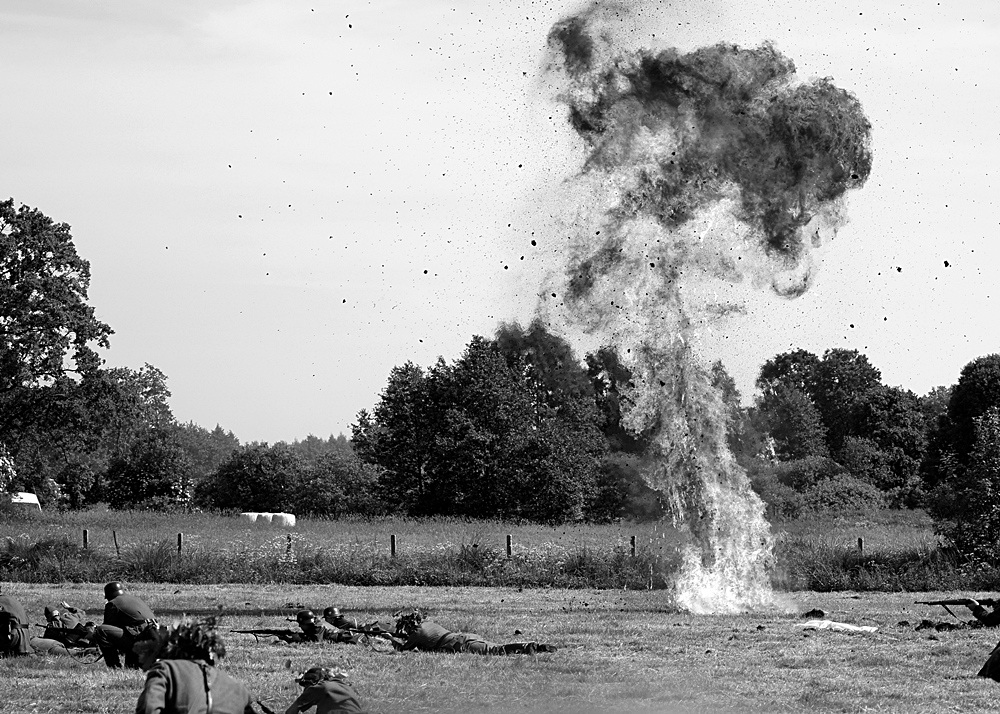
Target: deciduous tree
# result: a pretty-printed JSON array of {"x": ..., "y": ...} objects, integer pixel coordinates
[
  {"x": 47, "y": 329},
  {"x": 255, "y": 477}
]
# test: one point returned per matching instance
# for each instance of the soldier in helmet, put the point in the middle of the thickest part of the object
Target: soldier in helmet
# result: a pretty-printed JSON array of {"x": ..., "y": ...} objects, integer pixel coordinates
[
  {"x": 65, "y": 624},
  {"x": 328, "y": 691},
  {"x": 315, "y": 629},
  {"x": 416, "y": 633},
  {"x": 13, "y": 628},
  {"x": 126, "y": 617},
  {"x": 181, "y": 676},
  {"x": 335, "y": 617}
]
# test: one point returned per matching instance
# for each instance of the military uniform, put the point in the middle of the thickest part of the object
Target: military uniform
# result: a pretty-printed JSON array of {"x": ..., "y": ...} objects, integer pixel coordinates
[
  {"x": 986, "y": 618},
  {"x": 333, "y": 616},
  {"x": 316, "y": 630},
  {"x": 125, "y": 618},
  {"x": 13, "y": 628},
  {"x": 329, "y": 697},
  {"x": 182, "y": 686},
  {"x": 431, "y": 637},
  {"x": 68, "y": 628}
]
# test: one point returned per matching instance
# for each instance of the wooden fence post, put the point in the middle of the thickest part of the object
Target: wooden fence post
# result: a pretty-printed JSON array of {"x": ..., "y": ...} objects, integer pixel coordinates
[
  {"x": 632, "y": 545},
  {"x": 86, "y": 539},
  {"x": 861, "y": 545},
  {"x": 180, "y": 543},
  {"x": 509, "y": 549},
  {"x": 392, "y": 545},
  {"x": 114, "y": 537}
]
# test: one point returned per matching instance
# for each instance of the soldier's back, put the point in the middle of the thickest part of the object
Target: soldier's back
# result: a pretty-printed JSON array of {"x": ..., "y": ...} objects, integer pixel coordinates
[
  {"x": 178, "y": 686},
  {"x": 127, "y": 611},
  {"x": 14, "y": 608}
]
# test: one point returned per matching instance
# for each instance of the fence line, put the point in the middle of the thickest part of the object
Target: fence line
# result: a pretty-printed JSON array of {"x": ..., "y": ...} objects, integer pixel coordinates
[{"x": 393, "y": 544}]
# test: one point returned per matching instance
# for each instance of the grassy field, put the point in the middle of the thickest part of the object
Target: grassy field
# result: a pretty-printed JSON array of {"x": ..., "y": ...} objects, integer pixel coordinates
[
  {"x": 900, "y": 552},
  {"x": 362, "y": 536},
  {"x": 619, "y": 651}
]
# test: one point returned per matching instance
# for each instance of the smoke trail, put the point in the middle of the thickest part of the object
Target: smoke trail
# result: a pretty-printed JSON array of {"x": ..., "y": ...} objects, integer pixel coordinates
[{"x": 701, "y": 168}]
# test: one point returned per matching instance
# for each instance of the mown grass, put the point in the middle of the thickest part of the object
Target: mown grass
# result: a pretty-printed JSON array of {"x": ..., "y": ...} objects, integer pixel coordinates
[
  {"x": 620, "y": 651},
  {"x": 900, "y": 552}
]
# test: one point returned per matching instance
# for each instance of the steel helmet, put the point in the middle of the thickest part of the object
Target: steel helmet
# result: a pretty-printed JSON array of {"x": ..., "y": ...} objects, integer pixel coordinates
[
  {"x": 315, "y": 675},
  {"x": 113, "y": 590},
  {"x": 305, "y": 616}
]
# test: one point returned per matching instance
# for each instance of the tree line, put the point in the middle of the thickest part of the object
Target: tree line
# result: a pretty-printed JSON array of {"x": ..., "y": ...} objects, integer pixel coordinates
[{"x": 518, "y": 426}]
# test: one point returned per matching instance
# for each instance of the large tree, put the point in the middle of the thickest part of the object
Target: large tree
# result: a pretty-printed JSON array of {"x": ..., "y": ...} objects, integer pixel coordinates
[
  {"x": 70, "y": 430},
  {"x": 837, "y": 405},
  {"x": 255, "y": 477},
  {"x": 977, "y": 391},
  {"x": 206, "y": 450},
  {"x": 155, "y": 473},
  {"x": 796, "y": 369},
  {"x": 793, "y": 422},
  {"x": 47, "y": 329},
  {"x": 965, "y": 502},
  {"x": 844, "y": 383},
  {"x": 547, "y": 361},
  {"x": 952, "y": 434},
  {"x": 479, "y": 438}
]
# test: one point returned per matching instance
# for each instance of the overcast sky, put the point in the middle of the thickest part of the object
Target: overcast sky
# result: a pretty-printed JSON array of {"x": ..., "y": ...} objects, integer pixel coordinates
[{"x": 282, "y": 200}]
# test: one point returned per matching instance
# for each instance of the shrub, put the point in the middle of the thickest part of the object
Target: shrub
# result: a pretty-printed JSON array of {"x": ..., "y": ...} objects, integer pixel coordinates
[
  {"x": 842, "y": 493},
  {"x": 155, "y": 474},
  {"x": 800, "y": 474},
  {"x": 256, "y": 477},
  {"x": 783, "y": 502},
  {"x": 965, "y": 504},
  {"x": 337, "y": 485}
]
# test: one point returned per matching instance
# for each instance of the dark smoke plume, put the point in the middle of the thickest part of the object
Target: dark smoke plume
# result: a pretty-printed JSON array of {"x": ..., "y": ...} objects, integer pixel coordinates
[
  {"x": 701, "y": 168},
  {"x": 735, "y": 118}
]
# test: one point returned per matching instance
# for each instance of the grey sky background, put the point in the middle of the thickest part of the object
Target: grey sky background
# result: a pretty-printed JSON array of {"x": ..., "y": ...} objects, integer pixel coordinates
[{"x": 282, "y": 200}]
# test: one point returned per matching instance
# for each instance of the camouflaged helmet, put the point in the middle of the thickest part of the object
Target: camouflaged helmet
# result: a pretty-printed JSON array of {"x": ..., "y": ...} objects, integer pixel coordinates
[
  {"x": 195, "y": 640},
  {"x": 315, "y": 675},
  {"x": 408, "y": 622},
  {"x": 113, "y": 590}
]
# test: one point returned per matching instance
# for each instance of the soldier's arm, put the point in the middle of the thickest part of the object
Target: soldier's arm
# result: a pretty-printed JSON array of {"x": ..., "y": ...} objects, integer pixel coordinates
[
  {"x": 989, "y": 618},
  {"x": 309, "y": 697},
  {"x": 153, "y": 698}
]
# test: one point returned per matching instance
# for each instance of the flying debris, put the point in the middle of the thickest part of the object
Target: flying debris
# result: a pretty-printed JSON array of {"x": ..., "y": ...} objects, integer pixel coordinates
[{"x": 713, "y": 165}]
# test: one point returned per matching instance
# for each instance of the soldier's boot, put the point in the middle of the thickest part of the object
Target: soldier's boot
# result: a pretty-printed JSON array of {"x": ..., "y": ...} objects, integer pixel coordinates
[{"x": 527, "y": 648}]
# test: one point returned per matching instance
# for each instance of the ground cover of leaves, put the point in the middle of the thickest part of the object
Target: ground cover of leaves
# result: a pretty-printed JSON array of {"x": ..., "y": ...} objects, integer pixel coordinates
[{"x": 619, "y": 651}]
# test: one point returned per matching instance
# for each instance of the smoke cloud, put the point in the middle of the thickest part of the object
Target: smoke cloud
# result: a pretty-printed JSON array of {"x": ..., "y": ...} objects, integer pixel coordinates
[{"x": 702, "y": 169}]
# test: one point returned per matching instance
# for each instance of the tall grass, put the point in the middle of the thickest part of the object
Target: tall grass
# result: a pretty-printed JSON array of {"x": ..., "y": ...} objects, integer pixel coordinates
[
  {"x": 900, "y": 552},
  {"x": 221, "y": 549}
]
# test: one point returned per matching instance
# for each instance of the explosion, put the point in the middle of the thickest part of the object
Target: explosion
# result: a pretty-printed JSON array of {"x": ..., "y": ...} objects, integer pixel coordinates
[{"x": 702, "y": 169}]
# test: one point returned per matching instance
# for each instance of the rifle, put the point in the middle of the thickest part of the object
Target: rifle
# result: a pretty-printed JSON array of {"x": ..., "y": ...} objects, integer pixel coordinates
[
  {"x": 966, "y": 601},
  {"x": 288, "y": 636},
  {"x": 372, "y": 629},
  {"x": 69, "y": 636},
  {"x": 264, "y": 708}
]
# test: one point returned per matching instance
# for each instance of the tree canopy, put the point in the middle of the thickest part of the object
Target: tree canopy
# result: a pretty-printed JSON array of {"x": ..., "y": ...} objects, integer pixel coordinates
[
  {"x": 47, "y": 329},
  {"x": 484, "y": 436}
]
